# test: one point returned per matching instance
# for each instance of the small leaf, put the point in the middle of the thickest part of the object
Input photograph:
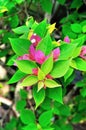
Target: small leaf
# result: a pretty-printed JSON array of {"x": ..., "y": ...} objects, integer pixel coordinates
[
  {"x": 76, "y": 28},
  {"x": 31, "y": 126},
  {"x": 41, "y": 75},
  {"x": 27, "y": 116},
  {"x": 16, "y": 77},
  {"x": 38, "y": 96},
  {"x": 60, "y": 68},
  {"x": 45, "y": 118},
  {"x": 20, "y": 105},
  {"x": 68, "y": 74},
  {"x": 84, "y": 29},
  {"x": 41, "y": 28},
  {"x": 79, "y": 64},
  {"x": 51, "y": 83},
  {"x": 55, "y": 94},
  {"x": 26, "y": 66},
  {"x": 20, "y": 46},
  {"x": 30, "y": 80},
  {"x": 47, "y": 65},
  {"x": 21, "y": 29},
  {"x": 45, "y": 45},
  {"x": 40, "y": 85}
]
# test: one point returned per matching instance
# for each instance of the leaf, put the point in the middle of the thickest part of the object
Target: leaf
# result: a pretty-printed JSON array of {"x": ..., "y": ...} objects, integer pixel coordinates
[
  {"x": 76, "y": 28},
  {"x": 20, "y": 46},
  {"x": 47, "y": 65},
  {"x": 38, "y": 96},
  {"x": 46, "y": 5},
  {"x": 27, "y": 116},
  {"x": 40, "y": 85},
  {"x": 79, "y": 64},
  {"x": 60, "y": 68},
  {"x": 11, "y": 60},
  {"x": 45, "y": 118},
  {"x": 76, "y": 4},
  {"x": 21, "y": 30},
  {"x": 29, "y": 81},
  {"x": 41, "y": 75},
  {"x": 51, "y": 83},
  {"x": 23, "y": 93},
  {"x": 51, "y": 28},
  {"x": 62, "y": 2},
  {"x": 14, "y": 21},
  {"x": 16, "y": 77},
  {"x": 77, "y": 52},
  {"x": 84, "y": 29},
  {"x": 45, "y": 45},
  {"x": 41, "y": 28},
  {"x": 26, "y": 66},
  {"x": 68, "y": 74},
  {"x": 3, "y": 9},
  {"x": 67, "y": 51},
  {"x": 55, "y": 94},
  {"x": 31, "y": 126},
  {"x": 83, "y": 92},
  {"x": 20, "y": 105}
]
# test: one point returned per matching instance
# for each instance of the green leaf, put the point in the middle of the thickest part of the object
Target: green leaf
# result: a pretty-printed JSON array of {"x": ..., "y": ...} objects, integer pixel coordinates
[
  {"x": 83, "y": 92},
  {"x": 77, "y": 52},
  {"x": 47, "y": 65},
  {"x": 46, "y": 5},
  {"x": 41, "y": 28},
  {"x": 16, "y": 77},
  {"x": 29, "y": 81},
  {"x": 45, "y": 45},
  {"x": 38, "y": 96},
  {"x": 20, "y": 105},
  {"x": 51, "y": 83},
  {"x": 79, "y": 64},
  {"x": 60, "y": 68},
  {"x": 55, "y": 94},
  {"x": 68, "y": 74},
  {"x": 67, "y": 51},
  {"x": 11, "y": 60},
  {"x": 23, "y": 93},
  {"x": 84, "y": 29},
  {"x": 21, "y": 30},
  {"x": 14, "y": 21},
  {"x": 41, "y": 75},
  {"x": 40, "y": 85},
  {"x": 76, "y": 28},
  {"x": 62, "y": 2},
  {"x": 27, "y": 116},
  {"x": 76, "y": 4},
  {"x": 45, "y": 118},
  {"x": 31, "y": 126},
  {"x": 20, "y": 46},
  {"x": 26, "y": 66}
]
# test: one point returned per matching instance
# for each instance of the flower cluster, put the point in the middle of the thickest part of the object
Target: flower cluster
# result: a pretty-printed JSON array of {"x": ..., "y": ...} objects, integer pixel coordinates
[{"x": 37, "y": 55}]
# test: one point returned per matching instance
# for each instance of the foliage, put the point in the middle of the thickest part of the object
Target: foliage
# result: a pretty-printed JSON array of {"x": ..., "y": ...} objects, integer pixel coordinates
[{"x": 46, "y": 66}]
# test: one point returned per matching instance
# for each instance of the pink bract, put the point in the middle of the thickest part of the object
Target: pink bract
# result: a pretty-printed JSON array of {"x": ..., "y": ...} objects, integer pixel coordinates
[
  {"x": 56, "y": 53},
  {"x": 39, "y": 57},
  {"x": 32, "y": 53},
  {"x": 67, "y": 39},
  {"x": 35, "y": 39},
  {"x": 35, "y": 71},
  {"x": 83, "y": 53},
  {"x": 24, "y": 57}
]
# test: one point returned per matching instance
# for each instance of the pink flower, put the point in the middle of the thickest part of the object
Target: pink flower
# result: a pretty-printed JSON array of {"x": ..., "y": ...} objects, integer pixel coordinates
[
  {"x": 67, "y": 39},
  {"x": 39, "y": 57},
  {"x": 83, "y": 53},
  {"x": 35, "y": 71},
  {"x": 56, "y": 53},
  {"x": 35, "y": 39},
  {"x": 49, "y": 76},
  {"x": 24, "y": 57},
  {"x": 32, "y": 53}
]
